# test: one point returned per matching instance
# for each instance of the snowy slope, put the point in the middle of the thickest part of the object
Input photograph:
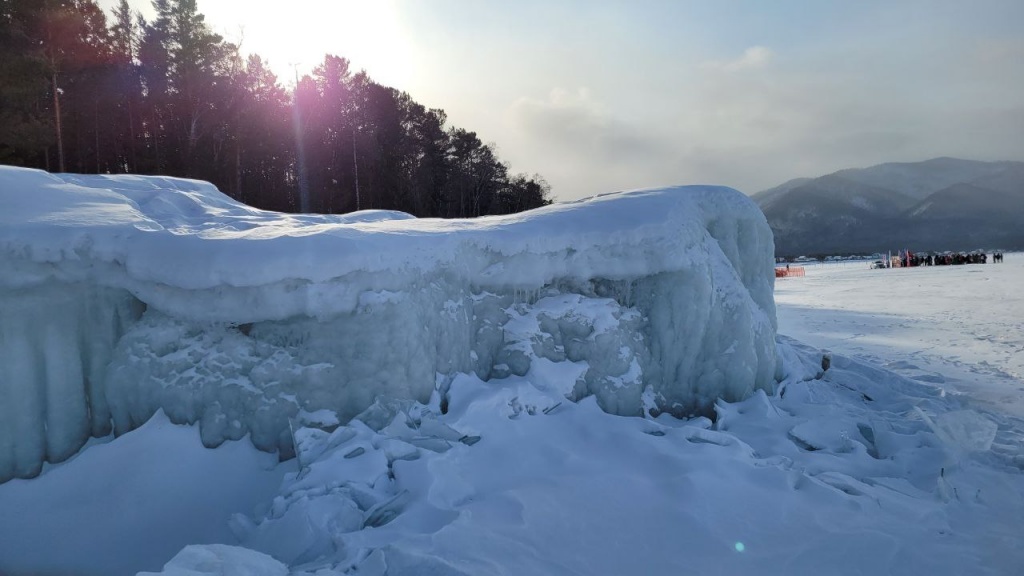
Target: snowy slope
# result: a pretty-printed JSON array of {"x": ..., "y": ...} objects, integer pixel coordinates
[
  {"x": 766, "y": 198},
  {"x": 921, "y": 179},
  {"x": 936, "y": 205}
]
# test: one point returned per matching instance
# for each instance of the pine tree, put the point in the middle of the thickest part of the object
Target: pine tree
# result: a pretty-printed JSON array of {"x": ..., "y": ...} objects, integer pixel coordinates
[{"x": 125, "y": 37}]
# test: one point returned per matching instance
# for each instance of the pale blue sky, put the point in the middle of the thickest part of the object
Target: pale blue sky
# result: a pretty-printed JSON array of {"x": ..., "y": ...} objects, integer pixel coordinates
[{"x": 598, "y": 96}]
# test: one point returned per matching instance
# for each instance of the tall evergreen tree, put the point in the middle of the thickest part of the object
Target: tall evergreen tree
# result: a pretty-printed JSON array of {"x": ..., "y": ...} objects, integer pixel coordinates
[
  {"x": 125, "y": 38},
  {"x": 26, "y": 123}
]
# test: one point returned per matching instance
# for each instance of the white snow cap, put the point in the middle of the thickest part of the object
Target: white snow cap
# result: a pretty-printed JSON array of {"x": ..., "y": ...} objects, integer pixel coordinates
[
  {"x": 220, "y": 560},
  {"x": 165, "y": 293}
]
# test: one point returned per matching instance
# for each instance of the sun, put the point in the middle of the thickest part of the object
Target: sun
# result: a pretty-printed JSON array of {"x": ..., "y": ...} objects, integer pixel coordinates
[{"x": 370, "y": 34}]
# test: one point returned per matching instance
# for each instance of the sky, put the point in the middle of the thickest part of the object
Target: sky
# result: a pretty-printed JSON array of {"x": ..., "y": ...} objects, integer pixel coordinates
[{"x": 597, "y": 96}]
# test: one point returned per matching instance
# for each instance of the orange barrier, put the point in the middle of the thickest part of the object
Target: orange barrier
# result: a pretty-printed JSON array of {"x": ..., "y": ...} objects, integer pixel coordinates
[{"x": 790, "y": 272}]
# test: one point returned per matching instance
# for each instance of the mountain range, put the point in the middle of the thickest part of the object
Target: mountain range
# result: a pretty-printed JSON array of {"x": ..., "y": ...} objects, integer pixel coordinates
[{"x": 936, "y": 205}]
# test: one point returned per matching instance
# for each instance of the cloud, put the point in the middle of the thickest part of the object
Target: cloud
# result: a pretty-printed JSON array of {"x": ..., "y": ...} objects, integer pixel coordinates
[
  {"x": 580, "y": 146},
  {"x": 998, "y": 51},
  {"x": 726, "y": 129},
  {"x": 756, "y": 120},
  {"x": 563, "y": 115},
  {"x": 577, "y": 122},
  {"x": 876, "y": 104},
  {"x": 753, "y": 57}
]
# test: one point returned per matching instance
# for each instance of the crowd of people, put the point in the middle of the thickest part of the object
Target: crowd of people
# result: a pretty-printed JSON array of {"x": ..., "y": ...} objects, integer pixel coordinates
[{"x": 907, "y": 258}]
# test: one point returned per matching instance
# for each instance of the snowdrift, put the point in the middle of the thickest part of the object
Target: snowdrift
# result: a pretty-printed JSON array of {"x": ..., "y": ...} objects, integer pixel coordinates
[{"x": 122, "y": 295}]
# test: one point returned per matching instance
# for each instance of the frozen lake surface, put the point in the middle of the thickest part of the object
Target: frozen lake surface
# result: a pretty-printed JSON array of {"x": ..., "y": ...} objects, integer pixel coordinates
[{"x": 959, "y": 327}]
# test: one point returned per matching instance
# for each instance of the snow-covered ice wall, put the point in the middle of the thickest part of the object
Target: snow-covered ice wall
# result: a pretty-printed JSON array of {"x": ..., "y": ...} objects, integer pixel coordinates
[{"x": 120, "y": 295}]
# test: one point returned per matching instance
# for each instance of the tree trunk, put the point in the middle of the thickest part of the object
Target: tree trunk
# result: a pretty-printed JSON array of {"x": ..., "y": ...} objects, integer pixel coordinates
[
  {"x": 96, "y": 131},
  {"x": 238, "y": 172},
  {"x": 355, "y": 166},
  {"x": 131, "y": 138},
  {"x": 56, "y": 116}
]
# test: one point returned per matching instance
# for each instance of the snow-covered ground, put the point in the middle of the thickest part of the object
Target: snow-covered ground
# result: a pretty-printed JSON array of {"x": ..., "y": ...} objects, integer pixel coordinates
[
  {"x": 959, "y": 327},
  {"x": 540, "y": 446},
  {"x": 858, "y": 472},
  {"x": 130, "y": 503}
]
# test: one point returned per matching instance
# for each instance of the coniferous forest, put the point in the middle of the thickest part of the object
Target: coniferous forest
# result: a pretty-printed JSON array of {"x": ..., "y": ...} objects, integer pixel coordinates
[{"x": 83, "y": 91}]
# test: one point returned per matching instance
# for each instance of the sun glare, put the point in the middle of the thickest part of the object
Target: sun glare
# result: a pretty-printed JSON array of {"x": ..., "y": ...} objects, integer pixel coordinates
[{"x": 369, "y": 34}]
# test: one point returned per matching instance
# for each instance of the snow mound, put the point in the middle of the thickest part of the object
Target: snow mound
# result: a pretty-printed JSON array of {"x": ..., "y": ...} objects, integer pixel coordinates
[{"x": 122, "y": 295}]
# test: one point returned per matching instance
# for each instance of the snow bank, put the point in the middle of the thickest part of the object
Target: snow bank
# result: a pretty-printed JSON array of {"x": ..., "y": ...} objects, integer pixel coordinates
[{"x": 121, "y": 295}]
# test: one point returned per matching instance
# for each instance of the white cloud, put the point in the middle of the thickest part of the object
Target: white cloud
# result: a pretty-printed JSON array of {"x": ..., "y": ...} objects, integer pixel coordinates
[
  {"x": 753, "y": 57},
  {"x": 575, "y": 123},
  {"x": 582, "y": 148}
]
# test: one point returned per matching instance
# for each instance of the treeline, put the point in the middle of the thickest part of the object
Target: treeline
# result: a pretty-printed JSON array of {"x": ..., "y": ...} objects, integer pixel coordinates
[{"x": 81, "y": 93}]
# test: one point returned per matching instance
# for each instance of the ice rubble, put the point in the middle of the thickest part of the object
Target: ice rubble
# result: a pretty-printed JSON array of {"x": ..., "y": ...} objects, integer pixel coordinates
[
  {"x": 839, "y": 469},
  {"x": 121, "y": 295}
]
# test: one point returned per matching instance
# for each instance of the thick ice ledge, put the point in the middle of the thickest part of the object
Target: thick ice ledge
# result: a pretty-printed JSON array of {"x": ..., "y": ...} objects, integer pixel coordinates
[{"x": 660, "y": 300}]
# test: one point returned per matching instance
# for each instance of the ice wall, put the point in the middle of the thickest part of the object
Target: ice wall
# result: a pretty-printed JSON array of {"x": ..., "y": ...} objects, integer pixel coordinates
[
  {"x": 55, "y": 345},
  {"x": 120, "y": 295}
]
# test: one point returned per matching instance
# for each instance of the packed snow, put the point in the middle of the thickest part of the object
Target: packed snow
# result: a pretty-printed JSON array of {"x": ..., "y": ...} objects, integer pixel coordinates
[{"x": 548, "y": 449}]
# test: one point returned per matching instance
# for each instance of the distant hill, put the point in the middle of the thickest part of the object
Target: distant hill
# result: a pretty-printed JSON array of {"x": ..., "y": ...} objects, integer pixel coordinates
[{"x": 939, "y": 204}]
